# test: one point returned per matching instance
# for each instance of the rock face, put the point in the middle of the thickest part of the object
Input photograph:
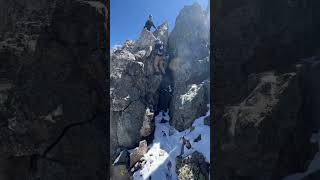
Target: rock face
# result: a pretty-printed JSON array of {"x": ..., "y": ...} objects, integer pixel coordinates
[
  {"x": 146, "y": 39},
  {"x": 188, "y": 45},
  {"x": 190, "y": 105},
  {"x": 312, "y": 88},
  {"x": 190, "y": 37},
  {"x": 25, "y": 17},
  {"x": 148, "y": 124},
  {"x": 53, "y": 109},
  {"x": 119, "y": 169},
  {"x": 252, "y": 37},
  {"x": 138, "y": 153},
  {"x": 21, "y": 25},
  {"x": 134, "y": 87},
  {"x": 264, "y": 93},
  {"x": 254, "y": 132},
  {"x": 192, "y": 167}
]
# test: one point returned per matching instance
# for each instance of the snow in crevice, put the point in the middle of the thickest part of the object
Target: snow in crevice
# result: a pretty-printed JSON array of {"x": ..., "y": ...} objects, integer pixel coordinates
[
  {"x": 189, "y": 96},
  {"x": 160, "y": 160},
  {"x": 315, "y": 163}
]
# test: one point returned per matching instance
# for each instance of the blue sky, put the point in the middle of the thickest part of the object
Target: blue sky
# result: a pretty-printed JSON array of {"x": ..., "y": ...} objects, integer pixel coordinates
[{"x": 127, "y": 17}]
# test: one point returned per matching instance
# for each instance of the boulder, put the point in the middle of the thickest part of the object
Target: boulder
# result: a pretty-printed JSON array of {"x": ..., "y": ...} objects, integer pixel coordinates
[
  {"x": 123, "y": 158},
  {"x": 119, "y": 168},
  {"x": 189, "y": 106},
  {"x": 141, "y": 55},
  {"x": 146, "y": 39},
  {"x": 126, "y": 125},
  {"x": 138, "y": 153},
  {"x": 148, "y": 124}
]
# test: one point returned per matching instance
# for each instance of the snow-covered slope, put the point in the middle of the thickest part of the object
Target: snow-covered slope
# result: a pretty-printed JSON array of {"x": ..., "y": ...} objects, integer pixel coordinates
[{"x": 160, "y": 160}]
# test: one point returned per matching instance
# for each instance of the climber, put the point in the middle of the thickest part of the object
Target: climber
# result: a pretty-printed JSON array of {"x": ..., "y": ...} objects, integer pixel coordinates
[
  {"x": 149, "y": 23},
  {"x": 159, "y": 61}
]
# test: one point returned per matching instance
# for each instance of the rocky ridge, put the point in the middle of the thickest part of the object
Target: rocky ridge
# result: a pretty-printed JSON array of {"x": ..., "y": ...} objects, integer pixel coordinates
[{"x": 133, "y": 92}]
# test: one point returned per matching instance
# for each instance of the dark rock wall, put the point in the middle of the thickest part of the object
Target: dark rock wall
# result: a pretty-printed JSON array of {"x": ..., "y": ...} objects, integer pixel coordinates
[
  {"x": 253, "y": 37},
  {"x": 53, "y": 114}
]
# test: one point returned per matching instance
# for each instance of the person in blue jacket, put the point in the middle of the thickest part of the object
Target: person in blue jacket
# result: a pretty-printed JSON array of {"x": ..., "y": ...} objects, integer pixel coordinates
[
  {"x": 159, "y": 58},
  {"x": 149, "y": 24}
]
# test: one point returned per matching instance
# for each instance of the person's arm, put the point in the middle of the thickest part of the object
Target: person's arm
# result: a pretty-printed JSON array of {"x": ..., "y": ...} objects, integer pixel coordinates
[
  {"x": 154, "y": 26},
  {"x": 145, "y": 25}
]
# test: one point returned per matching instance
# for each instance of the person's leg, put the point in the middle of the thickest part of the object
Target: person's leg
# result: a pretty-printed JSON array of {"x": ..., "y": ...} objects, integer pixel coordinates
[
  {"x": 161, "y": 64},
  {"x": 155, "y": 63}
]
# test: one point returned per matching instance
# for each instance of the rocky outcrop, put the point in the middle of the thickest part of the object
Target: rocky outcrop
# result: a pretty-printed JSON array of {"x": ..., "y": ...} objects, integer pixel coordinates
[
  {"x": 54, "y": 113},
  {"x": 256, "y": 121},
  {"x": 192, "y": 167},
  {"x": 252, "y": 37},
  {"x": 190, "y": 105},
  {"x": 189, "y": 40},
  {"x": 260, "y": 129},
  {"x": 138, "y": 153},
  {"x": 189, "y": 47},
  {"x": 148, "y": 124},
  {"x": 145, "y": 42},
  {"x": 134, "y": 87}
]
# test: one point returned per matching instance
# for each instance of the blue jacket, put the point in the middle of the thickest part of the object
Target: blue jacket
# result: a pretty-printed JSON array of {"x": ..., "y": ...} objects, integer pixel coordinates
[{"x": 159, "y": 49}]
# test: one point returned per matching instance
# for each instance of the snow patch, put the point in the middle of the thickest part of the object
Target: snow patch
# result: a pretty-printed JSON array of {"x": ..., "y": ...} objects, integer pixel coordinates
[
  {"x": 160, "y": 160},
  {"x": 193, "y": 91}
]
